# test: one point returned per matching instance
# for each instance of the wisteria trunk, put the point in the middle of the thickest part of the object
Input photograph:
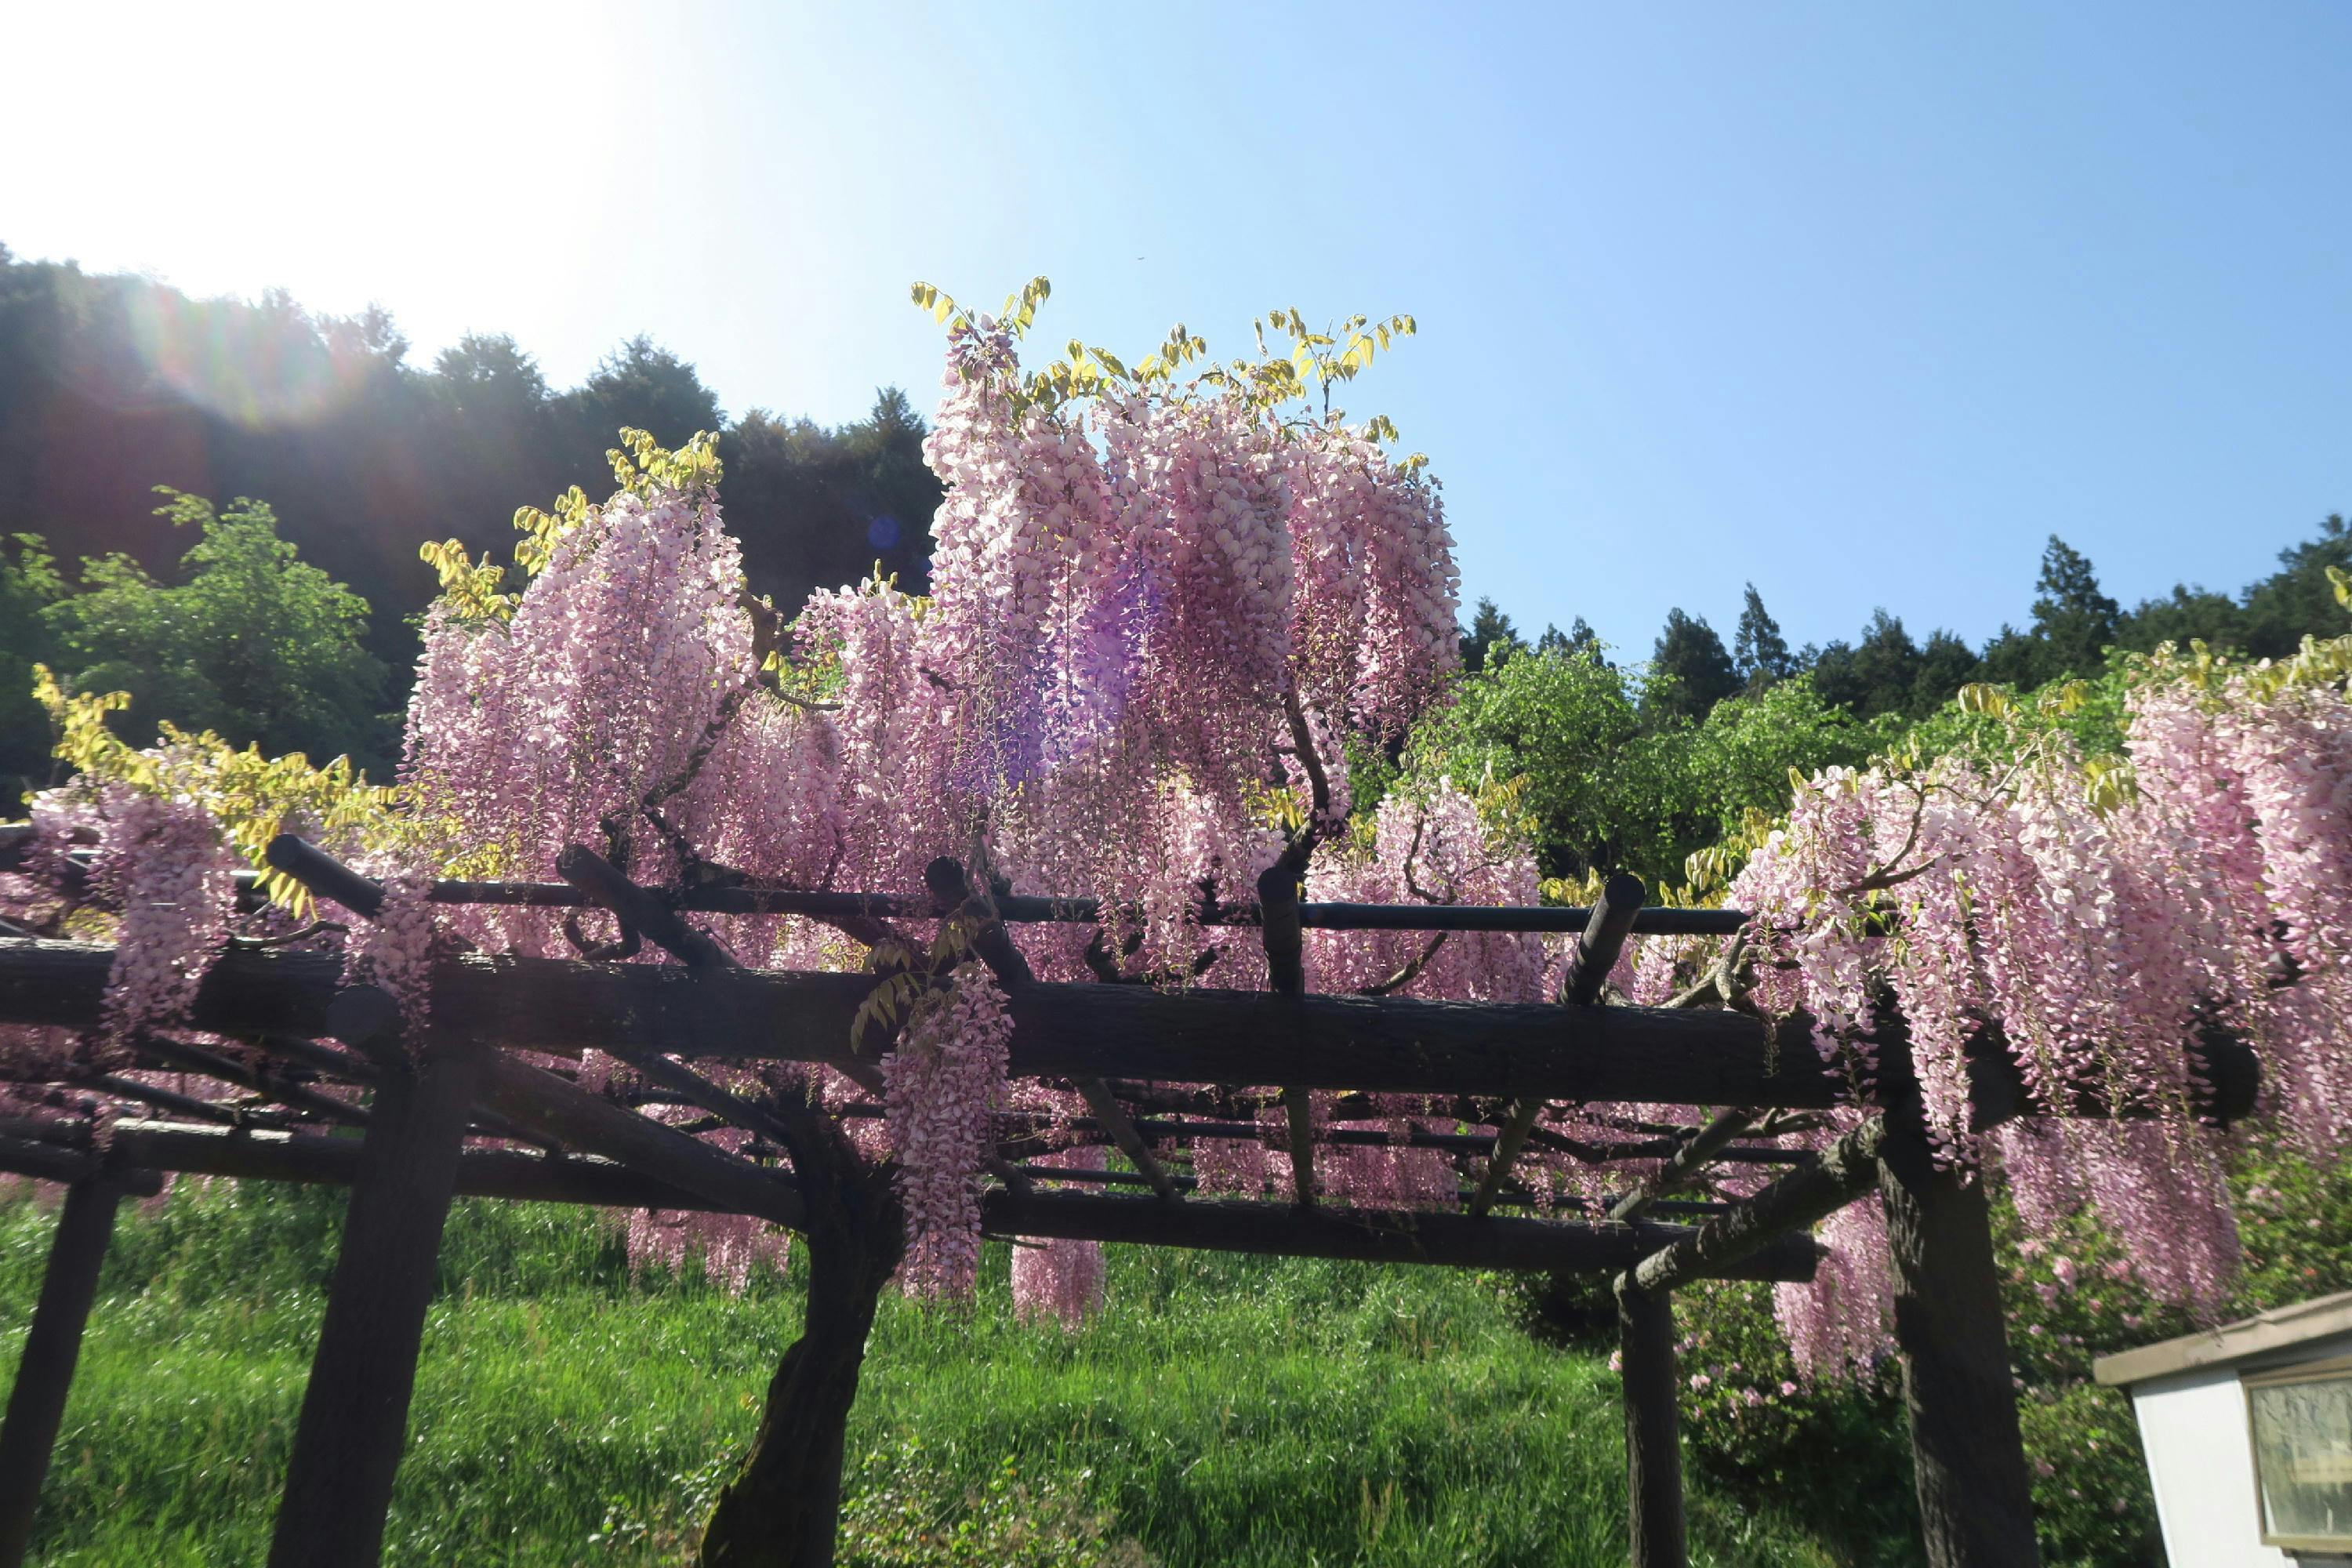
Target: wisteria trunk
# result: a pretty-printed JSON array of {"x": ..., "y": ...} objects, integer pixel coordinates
[
  {"x": 782, "y": 1508},
  {"x": 1976, "y": 1503}
]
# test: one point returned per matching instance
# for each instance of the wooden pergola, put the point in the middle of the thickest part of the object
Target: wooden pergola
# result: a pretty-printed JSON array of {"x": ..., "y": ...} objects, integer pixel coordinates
[{"x": 466, "y": 1115}]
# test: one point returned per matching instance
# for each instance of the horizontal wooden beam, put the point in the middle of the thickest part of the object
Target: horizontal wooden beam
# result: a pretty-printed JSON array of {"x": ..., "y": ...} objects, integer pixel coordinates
[
  {"x": 1373, "y": 1236},
  {"x": 1382, "y": 1044},
  {"x": 1282, "y": 1229},
  {"x": 16, "y": 840},
  {"x": 1201, "y": 1036}
]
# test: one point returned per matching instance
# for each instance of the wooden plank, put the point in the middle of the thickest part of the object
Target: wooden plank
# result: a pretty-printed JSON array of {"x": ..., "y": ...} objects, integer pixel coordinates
[
  {"x": 313, "y": 1160},
  {"x": 1021, "y": 911},
  {"x": 1373, "y": 1235},
  {"x": 1654, "y": 1454},
  {"x": 1376, "y": 1235}
]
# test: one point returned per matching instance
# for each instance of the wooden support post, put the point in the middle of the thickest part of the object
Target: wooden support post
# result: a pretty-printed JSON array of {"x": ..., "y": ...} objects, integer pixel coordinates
[
  {"x": 1286, "y": 962},
  {"x": 37, "y": 1404},
  {"x": 1653, "y": 1453},
  {"x": 1587, "y": 971},
  {"x": 353, "y": 1425},
  {"x": 1976, "y": 1503}
]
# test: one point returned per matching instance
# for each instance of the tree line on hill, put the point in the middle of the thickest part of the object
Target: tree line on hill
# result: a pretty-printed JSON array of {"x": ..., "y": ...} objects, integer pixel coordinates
[
  {"x": 2073, "y": 627},
  {"x": 284, "y": 620},
  {"x": 114, "y": 384},
  {"x": 1639, "y": 767}
]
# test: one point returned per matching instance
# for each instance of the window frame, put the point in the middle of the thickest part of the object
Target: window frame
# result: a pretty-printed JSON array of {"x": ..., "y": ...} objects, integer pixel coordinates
[{"x": 2333, "y": 1369}]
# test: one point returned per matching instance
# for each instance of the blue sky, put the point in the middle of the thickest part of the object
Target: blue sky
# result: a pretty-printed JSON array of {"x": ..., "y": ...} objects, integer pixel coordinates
[{"x": 1857, "y": 301}]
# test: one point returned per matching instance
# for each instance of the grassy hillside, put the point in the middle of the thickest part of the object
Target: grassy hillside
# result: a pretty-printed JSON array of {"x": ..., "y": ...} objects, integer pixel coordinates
[{"x": 1223, "y": 1410}]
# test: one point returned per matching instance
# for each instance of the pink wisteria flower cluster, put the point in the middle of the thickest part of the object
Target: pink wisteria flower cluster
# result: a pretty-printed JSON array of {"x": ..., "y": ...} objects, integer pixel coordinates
[
  {"x": 1157, "y": 616},
  {"x": 2090, "y": 922}
]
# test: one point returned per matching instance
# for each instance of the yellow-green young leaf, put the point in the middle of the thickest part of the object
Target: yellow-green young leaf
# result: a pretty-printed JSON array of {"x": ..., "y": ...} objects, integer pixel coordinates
[
  {"x": 1797, "y": 780},
  {"x": 2342, "y": 582},
  {"x": 2064, "y": 699},
  {"x": 1981, "y": 697}
]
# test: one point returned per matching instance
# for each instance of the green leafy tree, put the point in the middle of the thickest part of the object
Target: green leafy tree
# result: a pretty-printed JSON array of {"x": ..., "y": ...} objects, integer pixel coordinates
[
  {"x": 29, "y": 584},
  {"x": 252, "y": 642},
  {"x": 1565, "y": 722},
  {"x": 1603, "y": 790},
  {"x": 1737, "y": 761},
  {"x": 1689, "y": 671}
]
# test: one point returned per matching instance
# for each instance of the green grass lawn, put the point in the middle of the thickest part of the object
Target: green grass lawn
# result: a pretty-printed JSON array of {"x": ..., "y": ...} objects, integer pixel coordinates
[{"x": 1222, "y": 1410}]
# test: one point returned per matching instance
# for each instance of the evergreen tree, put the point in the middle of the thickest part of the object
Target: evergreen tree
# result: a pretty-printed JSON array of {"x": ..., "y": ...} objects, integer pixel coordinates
[
  {"x": 2070, "y": 615},
  {"x": 645, "y": 387},
  {"x": 1489, "y": 628},
  {"x": 2297, "y": 601},
  {"x": 1760, "y": 654},
  {"x": 1878, "y": 674},
  {"x": 2075, "y": 624},
  {"x": 1945, "y": 663},
  {"x": 1689, "y": 671},
  {"x": 1579, "y": 638},
  {"x": 29, "y": 584}
]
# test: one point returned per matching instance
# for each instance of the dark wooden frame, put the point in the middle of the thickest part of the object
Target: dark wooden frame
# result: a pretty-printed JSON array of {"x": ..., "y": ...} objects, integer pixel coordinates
[{"x": 431, "y": 1097}]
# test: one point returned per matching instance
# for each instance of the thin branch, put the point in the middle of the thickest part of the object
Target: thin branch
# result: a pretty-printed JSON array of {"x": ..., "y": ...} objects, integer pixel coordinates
[
  {"x": 1411, "y": 970},
  {"x": 1319, "y": 786}
]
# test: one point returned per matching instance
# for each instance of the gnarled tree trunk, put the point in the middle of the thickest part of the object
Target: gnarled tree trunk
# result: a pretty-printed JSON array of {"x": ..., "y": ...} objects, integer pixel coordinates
[{"x": 782, "y": 1509}]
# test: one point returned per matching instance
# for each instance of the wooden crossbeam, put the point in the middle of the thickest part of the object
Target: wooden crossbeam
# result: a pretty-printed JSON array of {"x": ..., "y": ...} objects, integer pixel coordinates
[
  {"x": 1201, "y": 1035},
  {"x": 1845, "y": 1171},
  {"x": 1273, "y": 1229},
  {"x": 277, "y": 1086},
  {"x": 1709, "y": 1144},
  {"x": 742, "y": 900}
]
